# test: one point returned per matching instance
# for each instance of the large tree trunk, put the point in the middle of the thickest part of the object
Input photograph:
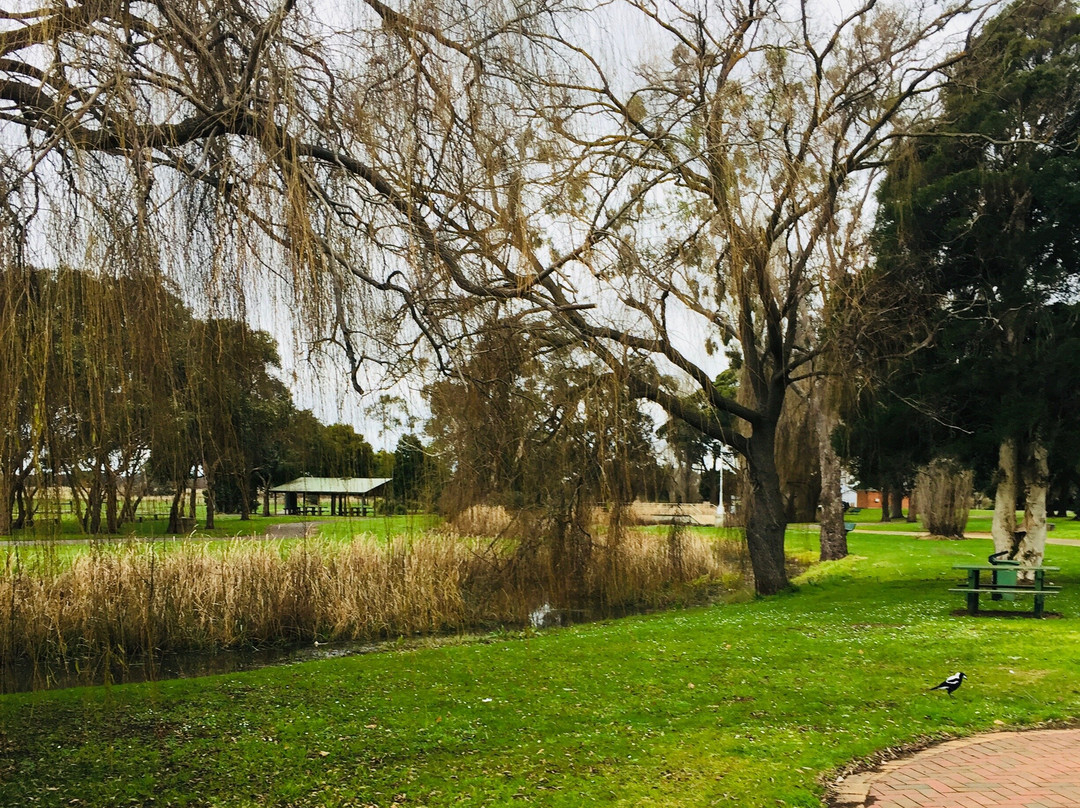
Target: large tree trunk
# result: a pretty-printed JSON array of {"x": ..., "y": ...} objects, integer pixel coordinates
[
  {"x": 20, "y": 506},
  {"x": 1031, "y": 547},
  {"x": 765, "y": 524},
  {"x": 175, "y": 510},
  {"x": 886, "y": 496},
  {"x": 93, "y": 504},
  {"x": 896, "y": 510},
  {"x": 1003, "y": 527},
  {"x": 833, "y": 535},
  {"x": 913, "y": 506}
]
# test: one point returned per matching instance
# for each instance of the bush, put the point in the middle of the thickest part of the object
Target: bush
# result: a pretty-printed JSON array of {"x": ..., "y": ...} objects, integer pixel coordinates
[{"x": 944, "y": 491}]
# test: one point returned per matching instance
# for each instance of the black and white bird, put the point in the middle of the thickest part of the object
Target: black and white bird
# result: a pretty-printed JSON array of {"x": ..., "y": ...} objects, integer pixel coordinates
[{"x": 951, "y": 683}]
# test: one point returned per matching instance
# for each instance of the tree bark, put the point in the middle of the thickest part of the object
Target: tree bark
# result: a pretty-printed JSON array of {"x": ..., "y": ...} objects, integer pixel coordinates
[
  {"x": 1003, "y": 526},
  {"x": 93, "y": 505},
  {"x": 765, "y": 523},
  {"x": 886, "y": 494},
  {"x": 833, "y": 536},
  {"x": 174, "y": 511},
  {"x": 1032, "y": 545},
  {"x": 896, "y": 510},
  {"x": 20, "y": 506},
  {"x": 245, "y": 498},
  {"x": 913, "y": 506}
]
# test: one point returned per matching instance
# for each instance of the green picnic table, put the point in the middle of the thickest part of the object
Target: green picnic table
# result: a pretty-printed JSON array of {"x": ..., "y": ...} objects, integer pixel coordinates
[{"x": 1004, "y": 583}]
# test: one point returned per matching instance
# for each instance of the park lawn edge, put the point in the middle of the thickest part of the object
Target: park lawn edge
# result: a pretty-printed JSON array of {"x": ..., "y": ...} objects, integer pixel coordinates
[{"x": 758, "y": 703}]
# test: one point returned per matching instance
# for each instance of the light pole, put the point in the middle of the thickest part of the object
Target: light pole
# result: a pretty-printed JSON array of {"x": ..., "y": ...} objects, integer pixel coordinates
[{"x": 720, "y": 514}]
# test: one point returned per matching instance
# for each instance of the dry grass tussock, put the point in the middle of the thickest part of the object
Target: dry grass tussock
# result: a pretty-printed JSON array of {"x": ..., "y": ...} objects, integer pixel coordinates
[
  {"x": 482, "y": 520},
  {"x": 127, "y": 600}
]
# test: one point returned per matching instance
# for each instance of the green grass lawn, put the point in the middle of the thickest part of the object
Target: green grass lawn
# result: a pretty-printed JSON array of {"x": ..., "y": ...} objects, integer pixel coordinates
[
  {"x": 65, "y": 545},
  {"x": 226, "y": 525},
  {"x": 978, "y": 522},
  {"x": 748, "y": 704}
]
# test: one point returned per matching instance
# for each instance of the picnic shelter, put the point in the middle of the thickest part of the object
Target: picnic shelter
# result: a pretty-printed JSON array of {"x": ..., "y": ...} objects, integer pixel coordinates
[{"x": 349, "y": 496}]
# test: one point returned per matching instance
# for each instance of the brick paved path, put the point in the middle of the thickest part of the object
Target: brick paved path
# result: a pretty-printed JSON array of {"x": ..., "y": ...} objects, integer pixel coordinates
[{"x": 1039, "y": 769}]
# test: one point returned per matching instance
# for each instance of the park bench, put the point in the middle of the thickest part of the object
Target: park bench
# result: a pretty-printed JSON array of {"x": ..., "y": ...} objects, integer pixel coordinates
[{"x": 1004, "y": 585}]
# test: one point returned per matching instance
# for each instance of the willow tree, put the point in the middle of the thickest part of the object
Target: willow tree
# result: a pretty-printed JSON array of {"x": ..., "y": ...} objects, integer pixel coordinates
[
  {"x": 418, "y": 169},
  {"x": 23, "y": 355}
]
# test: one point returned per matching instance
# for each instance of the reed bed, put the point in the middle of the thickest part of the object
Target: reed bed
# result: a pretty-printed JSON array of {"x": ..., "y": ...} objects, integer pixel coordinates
[{"x": 123, "y": 601}]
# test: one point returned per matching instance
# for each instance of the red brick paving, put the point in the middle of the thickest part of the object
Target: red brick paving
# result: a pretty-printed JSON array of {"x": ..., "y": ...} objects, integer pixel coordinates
[{"x": 1039, "y": 769}]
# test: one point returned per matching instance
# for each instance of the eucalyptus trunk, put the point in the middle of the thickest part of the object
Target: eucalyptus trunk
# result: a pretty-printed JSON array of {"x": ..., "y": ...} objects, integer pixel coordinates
[
  {"x": 1003, "y": 526},
  {"x": 833, "y": 536},
  {"x": 1032, "y": 545}
]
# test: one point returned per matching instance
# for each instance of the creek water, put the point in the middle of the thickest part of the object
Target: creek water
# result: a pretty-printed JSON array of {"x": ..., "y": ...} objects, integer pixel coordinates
[{"x": 23, "y": 678}]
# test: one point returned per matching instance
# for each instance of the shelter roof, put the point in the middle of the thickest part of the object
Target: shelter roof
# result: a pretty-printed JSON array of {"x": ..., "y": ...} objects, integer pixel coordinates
[{"x": 352, "y": 486}]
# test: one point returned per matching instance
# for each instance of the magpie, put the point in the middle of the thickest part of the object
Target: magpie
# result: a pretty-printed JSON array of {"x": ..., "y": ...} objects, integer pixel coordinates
[{"x": 951, "y": 683}]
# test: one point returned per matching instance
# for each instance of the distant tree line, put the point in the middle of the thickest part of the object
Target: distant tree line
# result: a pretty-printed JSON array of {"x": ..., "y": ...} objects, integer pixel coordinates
[{"x": 112, "y": 389}]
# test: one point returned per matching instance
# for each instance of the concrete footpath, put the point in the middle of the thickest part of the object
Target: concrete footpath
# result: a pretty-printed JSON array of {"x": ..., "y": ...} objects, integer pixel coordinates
[{"x": 1036, "y": 769}]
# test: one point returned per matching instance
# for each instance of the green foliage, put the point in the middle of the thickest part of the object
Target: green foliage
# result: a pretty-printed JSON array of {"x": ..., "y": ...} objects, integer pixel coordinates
[
  {"x": 977, "y": 226},
  {"x": 411, "y": 467},
  {"x": 748, "y": 704}
]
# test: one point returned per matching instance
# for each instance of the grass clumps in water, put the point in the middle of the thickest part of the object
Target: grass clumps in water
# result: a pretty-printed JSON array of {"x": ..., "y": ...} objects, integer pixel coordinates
[{"x": 130, "y": 599}]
